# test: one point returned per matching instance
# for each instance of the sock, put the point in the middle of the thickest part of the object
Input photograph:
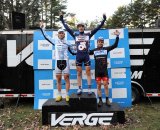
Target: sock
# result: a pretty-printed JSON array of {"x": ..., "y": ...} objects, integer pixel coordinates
[
  {"x": 59, "y": 93},
  {"x": 67, "y": 93},
  {"x": 100, "y": 98}
]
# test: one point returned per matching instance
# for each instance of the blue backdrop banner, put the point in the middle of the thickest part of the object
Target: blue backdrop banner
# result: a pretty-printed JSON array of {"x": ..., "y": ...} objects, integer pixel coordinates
[{"x": 118, "y": 68}]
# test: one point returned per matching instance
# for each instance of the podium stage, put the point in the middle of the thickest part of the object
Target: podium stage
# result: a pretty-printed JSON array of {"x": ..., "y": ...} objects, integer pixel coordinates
[{"x": 82, "y": 110}]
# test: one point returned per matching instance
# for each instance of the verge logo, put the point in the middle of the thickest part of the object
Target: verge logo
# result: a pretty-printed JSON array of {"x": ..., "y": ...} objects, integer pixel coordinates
[{"x": 91, "y": 119}]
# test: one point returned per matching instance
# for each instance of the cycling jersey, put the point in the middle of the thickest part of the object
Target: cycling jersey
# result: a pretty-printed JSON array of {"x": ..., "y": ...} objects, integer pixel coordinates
[
  {"x": 61, "y": 53},
  {"x": 82, "y": 41},
  {"x": 100, "y": 56}
]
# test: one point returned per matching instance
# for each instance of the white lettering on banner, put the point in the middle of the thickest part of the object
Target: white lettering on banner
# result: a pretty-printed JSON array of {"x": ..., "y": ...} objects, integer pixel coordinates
[
  {"x": 117, "y": 53},
  {"x": 45, "y": 84},
  {"x": 73, "y": 83},
  {"x": 118, "y": 62},
  {"x": 44, "y": 64},
  {"x": 136, "y": 75},
  {"x": 91, "y": 119},
  {"x": 14, "y": 59},
  {"x": 44, "y": 45},
  {"x": 119, "y": 82},
  {"x": 118, "y": 73}
]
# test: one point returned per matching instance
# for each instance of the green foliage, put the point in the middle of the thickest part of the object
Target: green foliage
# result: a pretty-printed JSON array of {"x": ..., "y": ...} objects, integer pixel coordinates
[
  {"x": 35, "y": 10},
  {"x": 137, "y": 14}
]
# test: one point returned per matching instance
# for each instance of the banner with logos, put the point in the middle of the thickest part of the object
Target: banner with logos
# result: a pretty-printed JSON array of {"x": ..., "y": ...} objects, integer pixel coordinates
[{"x": 118, "y": 68}]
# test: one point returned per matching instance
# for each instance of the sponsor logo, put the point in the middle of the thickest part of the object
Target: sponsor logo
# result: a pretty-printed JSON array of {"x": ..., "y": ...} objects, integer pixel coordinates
[
  {"x": 117, "y": 53},
  {"x": 44, "y": 64},
  {"x": 82, "y": 46},
  {"x": 119, "y": 83},
  {"x": 118, "y": 62},
  {"x": 100, "y": 52},
  {"x": 91, "y": 119},
  {"x": 46, "y": 94},
  {"x": 136, "y": 75},
  {"x": 72, "y": 64},
  {"x": 82, "y": 38},
  {"x": 45, "y": 84},
  {"x": 44, "y": 45},
  {"x": 73, "y": 83},
  {"x": 118, "y": 73},
  {"x": 119, "y": 92}
]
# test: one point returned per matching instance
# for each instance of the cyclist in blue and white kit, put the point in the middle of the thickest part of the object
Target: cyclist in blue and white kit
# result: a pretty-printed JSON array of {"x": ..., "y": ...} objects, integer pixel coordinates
[
  {"x": 82, "y": 56},
  {"x": 61, "y": 59}
]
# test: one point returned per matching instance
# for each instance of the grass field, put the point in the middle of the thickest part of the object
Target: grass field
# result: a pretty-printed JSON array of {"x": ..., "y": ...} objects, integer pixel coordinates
[{"x": 142, "y": 116}]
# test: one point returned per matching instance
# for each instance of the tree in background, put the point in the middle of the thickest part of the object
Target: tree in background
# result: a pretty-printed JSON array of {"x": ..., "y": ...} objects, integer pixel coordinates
[
  {"x": 35, "y": 10},
  {"x": 140, "y": 13},
  {"x": 71, "y": 20}
]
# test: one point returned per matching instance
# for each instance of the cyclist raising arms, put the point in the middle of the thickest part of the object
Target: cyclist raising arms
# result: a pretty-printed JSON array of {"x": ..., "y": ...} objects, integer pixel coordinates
[
  {"x": 101, "y": 73},
  {"x": 82, "y": 40},
  {"x": 61, "y": 59}
]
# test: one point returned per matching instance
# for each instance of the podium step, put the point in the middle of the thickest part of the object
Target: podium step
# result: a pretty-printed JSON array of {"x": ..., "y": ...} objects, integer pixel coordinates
[
  {"x": 51, "y": 106},
  {"x": 119, "y": 115},
  {"x": 80, "y": 109},
  {"x": 83, "y": 102}
]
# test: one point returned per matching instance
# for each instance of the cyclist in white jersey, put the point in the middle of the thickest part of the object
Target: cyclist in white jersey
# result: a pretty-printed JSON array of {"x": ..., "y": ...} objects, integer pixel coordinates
[{"x": 61, "y": 59}]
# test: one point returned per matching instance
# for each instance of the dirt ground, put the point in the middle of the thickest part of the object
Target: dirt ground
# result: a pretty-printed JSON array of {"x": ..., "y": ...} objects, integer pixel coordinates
[{"x": 22, "y": 116}]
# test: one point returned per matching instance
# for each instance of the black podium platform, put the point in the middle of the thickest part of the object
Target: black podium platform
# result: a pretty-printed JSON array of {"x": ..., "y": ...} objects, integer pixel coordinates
[
  {"x": 83, "y": 110},
  {"x": 83, "y": 102}
]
